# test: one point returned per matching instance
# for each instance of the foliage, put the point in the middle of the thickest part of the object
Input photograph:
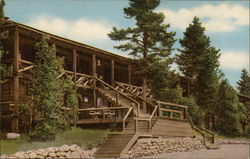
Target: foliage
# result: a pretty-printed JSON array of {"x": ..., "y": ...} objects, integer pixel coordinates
[
  {"x": 5, "y": 70},
  {"x": 244, "y": 83},
  {"x": 47, "y": 92},
  {"x": 70, "y": 99},
  {"x": 199, "y": 60},
  {"x": 78, "y": 136},
  {"x": 149, "y": 40},
  {"x": 244, "y": 89},
  {"x": 229, "y": 110},
  {"x": 162, "y": 81},
  {"x": 2, "y": 4}
]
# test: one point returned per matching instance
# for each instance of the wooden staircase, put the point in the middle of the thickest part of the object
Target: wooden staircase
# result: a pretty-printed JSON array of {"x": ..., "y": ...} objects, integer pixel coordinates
[
  {"x": 142, "y": 124},
  {"x": 167, "y": 128},
  {"x": 116, "y": 145}
]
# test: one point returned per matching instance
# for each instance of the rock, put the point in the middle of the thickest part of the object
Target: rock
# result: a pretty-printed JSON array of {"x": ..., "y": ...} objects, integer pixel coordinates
[
  {"x": 64, "y": 148},
  {"x": 40, "y": 156},
  {"x": 52, "y": 154},
  {"x": 75, "y": 155},
  {"x": 20, "y": 154},
  {"x": 51, "y": 149},
  {"x": 13, "y": 136},
  {"x": 72, "y": 148},
  {"x": 68, "y": 155},
  {"x": 45, "y": 153},
  {"x": 33, "y": 155}
]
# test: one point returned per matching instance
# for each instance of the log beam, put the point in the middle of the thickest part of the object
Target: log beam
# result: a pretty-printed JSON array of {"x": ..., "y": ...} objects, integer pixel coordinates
[
  {"x": 15, "y": 123},
  {"x": 112, "y": 72},
  {"x": 129, "y": 76},
  {"x": 74, "y": 63},
  {"x": 95, "y": 75}
]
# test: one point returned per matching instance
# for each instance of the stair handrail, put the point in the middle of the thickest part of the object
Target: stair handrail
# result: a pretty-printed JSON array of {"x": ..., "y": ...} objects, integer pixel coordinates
[
  {"x": 200, "y": 130},
  {"x": 151, "y": 116},
  {"x": 118, "y": 83},
  {"x": 124, "y": 119},
  {"x": 210, "y": 133},
  {"x": 111, "y": 87}
]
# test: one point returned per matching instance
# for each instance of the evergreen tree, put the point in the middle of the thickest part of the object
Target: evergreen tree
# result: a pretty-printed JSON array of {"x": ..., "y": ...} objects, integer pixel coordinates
[
  {"x": 244, "y": 89},
  {"x": 244, "y": 83},
  {"x": 2, "y": 4},
  {"x": 229, "y": 111},
  {"x": 199, "y": 60},
  {"x": 149, "y": 40},
  {"x": 47, "y": 92},
  {"x": 5, "y": 70}
]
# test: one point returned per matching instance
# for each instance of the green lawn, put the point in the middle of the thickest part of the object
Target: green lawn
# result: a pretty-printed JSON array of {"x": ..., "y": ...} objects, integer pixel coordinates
[{"x": 85, "y": 138}]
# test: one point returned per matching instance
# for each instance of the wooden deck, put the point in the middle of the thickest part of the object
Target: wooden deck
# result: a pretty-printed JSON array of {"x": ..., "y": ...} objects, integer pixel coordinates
[{"x": 98, "y": 121}]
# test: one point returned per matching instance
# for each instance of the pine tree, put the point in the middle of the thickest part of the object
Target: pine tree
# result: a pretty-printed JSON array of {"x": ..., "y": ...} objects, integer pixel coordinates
[
  {"x": 47, "y": 92},
  {"x": 199, "y": 60},
  {"x": 149, "y": 40},
  {"x": 244, "y": 83},
  {"x": 229, "y": 110},
  {"x": 5, "y": 70},
  {"x": 2, "y": 4},
  {"x": 244, "y": 89}
]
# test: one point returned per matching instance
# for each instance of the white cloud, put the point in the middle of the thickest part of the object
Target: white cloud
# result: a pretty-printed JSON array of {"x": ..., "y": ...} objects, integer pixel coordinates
[
  {"x": 235, "y": 60},
  {"x": 82, "y": 30},
  {"x": 216, "y": 18}
]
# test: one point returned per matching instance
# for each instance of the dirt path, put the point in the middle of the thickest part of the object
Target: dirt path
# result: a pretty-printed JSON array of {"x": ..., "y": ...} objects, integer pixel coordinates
[{"x": 237, "y": 151}]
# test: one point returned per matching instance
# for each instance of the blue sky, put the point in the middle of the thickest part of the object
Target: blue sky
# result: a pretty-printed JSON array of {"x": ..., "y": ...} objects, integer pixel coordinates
[{"x": 88, "y": 21}]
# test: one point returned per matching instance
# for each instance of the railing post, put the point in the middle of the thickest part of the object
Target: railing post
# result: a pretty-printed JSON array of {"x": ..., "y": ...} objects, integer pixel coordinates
[
  {"x": 123, "y": 126},
  {"x": 136, "y": 125},
  {"x": 117, "y": 98},
  {"x": 149, "y": 125},
  {"x": 159, "y": 109}
]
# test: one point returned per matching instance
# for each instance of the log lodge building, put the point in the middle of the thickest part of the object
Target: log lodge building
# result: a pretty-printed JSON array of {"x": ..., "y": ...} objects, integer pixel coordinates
[{"x": 105, "y": 82}]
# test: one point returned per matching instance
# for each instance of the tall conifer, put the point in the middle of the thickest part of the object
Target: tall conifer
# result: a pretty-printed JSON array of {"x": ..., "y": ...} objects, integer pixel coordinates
[{"x": 199, "y": 60}]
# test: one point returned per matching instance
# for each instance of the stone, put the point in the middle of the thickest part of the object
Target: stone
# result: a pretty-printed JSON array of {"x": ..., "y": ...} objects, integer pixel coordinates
[
  {"x": 20, "y": 154},
  {"x": 72, "y": 148},
  {"x": 40, "y": 156},
  {"x": 45, "y": 153},
  {"x": 52, "y": 154},
  {"x": 33, "y": 155},
  {"x": 68, "y": 155},
  {"x": 64, "y": 148},
  {"x": 13, "y": 136},
  {"x": 50, "y": 149},
  {"x": 75, "y": 155}
]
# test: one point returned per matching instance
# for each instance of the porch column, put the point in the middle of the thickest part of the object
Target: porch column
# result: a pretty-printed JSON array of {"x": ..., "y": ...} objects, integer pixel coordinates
[
  {"x": 144, "y": 88},
  {"x": 74, "y": 63},
  {"x": 94, "y": 74},
  {"x": 112, "y": 72},
  {"x": 129, "y": 76},
  {"x": 15, "y": 122}
]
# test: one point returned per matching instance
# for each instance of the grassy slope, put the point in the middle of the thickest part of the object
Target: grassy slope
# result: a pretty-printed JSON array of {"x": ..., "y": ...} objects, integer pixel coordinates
[{"x": 85, "y": 138}]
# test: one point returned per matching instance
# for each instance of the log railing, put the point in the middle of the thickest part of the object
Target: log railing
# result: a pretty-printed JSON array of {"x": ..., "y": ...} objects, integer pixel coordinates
[
  {"x": 151, "y": 117},
  {"x": 175, "y": 111},
  {"x": 201, "y": 130},
  {"x": 125, "y": 118},
  {"x": 119, "y": 93},
  {"x": 134, "y": 89}
]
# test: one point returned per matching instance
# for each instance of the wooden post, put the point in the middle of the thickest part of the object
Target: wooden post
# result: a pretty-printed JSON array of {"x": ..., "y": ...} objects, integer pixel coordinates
[
  {"x": 129, "y": 76},
  {"x": 112, "y": 73},
  {"x": 188, "y": 88},
  {"x": 144, "y": 88},
  {"x": 95, "y": 75},
  {"x": 159, "y": 109},
  {"x": 15, "y": 123},
  {"x": 74, "y": 63},
  {"x": 136, "y": 125}
]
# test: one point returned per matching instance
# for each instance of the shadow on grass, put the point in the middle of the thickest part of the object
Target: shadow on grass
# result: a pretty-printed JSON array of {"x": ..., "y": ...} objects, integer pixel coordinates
[{"x": 85, "y": 138}]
